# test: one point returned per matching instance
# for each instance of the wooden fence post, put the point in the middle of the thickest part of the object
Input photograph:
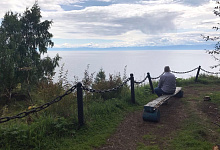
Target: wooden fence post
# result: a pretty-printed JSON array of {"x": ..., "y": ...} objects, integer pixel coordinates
[
  {"x": 80, "y": 103},
  {"x": 197, "y": 74},
  {"x": 132, "y": 88},
  {"x": 150, "y": 82}
]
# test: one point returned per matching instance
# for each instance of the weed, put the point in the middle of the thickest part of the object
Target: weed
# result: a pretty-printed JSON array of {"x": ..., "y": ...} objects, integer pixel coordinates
[
  {"x": 215, "y": 97},
  {"x": 141, "y": 146},
  {"x": 149, "y": 137}
]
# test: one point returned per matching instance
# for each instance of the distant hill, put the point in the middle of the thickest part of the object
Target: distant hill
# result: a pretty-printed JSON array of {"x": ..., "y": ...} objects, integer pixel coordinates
[{"x": 171, "y": 47}]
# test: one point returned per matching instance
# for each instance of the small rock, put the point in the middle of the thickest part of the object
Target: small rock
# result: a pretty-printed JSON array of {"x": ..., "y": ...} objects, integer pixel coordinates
[
  {"x": 216, "y": 147},
  {"x": 207, "y": 98}
]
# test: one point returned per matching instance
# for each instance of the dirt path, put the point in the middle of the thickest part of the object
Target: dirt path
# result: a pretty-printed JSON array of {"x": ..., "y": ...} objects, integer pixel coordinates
[{"x": 132, "y": 130}]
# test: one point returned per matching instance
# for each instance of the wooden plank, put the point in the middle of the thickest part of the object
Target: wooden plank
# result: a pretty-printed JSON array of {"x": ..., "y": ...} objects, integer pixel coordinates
[{"x": 160, "y": 100}]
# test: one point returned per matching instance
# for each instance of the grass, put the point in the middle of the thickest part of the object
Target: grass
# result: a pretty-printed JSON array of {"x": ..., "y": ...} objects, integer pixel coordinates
[
  {"x": 48, "y": 130},
  {"x": 215, "y": 97},
  {"x": 192, "y": 136},
  {"x": 149, "y": 137},
  {"x": 141, "y": 146},
  {"x": 101, "y": 120},
  {"x": 196, "y": 133}
]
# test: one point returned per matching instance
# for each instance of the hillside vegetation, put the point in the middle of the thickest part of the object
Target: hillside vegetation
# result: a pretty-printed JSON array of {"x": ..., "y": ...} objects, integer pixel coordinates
[{"x": 57, "y": 126}]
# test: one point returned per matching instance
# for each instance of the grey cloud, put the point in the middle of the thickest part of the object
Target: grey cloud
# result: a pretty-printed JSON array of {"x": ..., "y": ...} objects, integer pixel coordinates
[
  {"x": 192, "y": 2},
  {"x": 186, "y": 2},
  {"x": 125, "y": 1},
  {"x": 148, "y": 23},
  {"x": 85, "y": 3},
  {"x": 88, "y": 3}
]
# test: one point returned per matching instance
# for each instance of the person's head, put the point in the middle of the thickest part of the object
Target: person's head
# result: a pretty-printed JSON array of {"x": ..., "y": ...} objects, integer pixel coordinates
[{"x": 166, "y": 69}]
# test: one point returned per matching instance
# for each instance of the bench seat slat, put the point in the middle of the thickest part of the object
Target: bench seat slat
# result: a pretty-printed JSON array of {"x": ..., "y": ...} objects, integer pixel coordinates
[{"x": 160, "y": 100}]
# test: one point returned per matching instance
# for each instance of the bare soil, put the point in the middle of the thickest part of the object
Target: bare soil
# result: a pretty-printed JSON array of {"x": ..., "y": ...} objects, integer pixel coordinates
[{"x": 132, "y": 129}]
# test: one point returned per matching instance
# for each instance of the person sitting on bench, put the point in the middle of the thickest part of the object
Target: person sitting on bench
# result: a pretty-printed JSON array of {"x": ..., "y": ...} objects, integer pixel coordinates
[{"x": 167, "y": 83}]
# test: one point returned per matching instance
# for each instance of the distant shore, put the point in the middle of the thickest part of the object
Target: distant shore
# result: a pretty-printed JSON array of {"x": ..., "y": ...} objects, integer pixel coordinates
[{"x": 172, "y": 47}]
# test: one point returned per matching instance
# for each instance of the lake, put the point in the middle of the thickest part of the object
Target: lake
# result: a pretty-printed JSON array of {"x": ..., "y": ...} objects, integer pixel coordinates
[{"x": 137, "y": 62}]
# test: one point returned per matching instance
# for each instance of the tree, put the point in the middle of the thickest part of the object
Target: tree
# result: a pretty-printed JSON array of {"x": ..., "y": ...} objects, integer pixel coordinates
[
  {"x": 100, "y": 76},
  {"x": 216, "y": 51},
  {"x": 23, "y": 39}
]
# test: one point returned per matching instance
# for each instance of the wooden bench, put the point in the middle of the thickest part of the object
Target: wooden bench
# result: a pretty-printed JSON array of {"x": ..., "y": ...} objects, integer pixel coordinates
[{"x": 151, "y": 109}]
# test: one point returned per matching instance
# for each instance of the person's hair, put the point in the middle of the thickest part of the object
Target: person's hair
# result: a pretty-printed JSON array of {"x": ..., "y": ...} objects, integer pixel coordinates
[{"x": 166, "y": 69}]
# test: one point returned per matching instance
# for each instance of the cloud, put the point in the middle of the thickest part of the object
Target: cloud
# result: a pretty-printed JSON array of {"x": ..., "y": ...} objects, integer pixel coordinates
[
  {"x": 15, "y": 6},
  {"x": 149, "y": 23},
  {"x": 117, "y": 19},
  {"x": 145, "y": 23},
  {"x": 123, "y": 22},
  {"x": 192, "y": 2}
]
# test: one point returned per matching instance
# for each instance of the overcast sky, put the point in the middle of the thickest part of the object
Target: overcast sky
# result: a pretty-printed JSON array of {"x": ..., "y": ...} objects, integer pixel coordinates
[{"x": 123, "y": 23}]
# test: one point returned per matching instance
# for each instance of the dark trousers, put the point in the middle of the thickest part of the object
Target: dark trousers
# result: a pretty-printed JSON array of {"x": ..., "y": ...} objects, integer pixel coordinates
[{"x": 160, "y": 92}]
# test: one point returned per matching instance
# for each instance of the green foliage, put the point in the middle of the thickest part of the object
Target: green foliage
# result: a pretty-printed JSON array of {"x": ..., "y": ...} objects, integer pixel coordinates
[
  {"x": 143, "y": 94},
  {"x": 100, "y": 77},
  {"x": 57, "y": 126},
  {"x": 193, "y": 136},
  {"x": 23, "y": 38},
  {"x": 22, "y": 136},
  {"x": 214, "y": 53},
  {"x": 149, "y": 137},
  {"x": 112, "y": 82},
  {"x": 59, "y": 121},
  {"x": 202, "y": 78},
  {"x": 47, "y": 91},
  {"x": 143, "y": 147},
  {"x": 195, "y": 131},
  {"x": 99, "y": 109},
  {"x": 101, "y": 83},
  {"x": 208, "y": 79},
  {"x": 87, "y": 80},
  {"x": 183, "y": 82},
  {"x": 215, "y": 97}
]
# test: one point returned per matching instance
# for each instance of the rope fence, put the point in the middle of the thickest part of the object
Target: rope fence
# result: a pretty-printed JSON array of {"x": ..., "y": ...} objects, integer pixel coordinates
[
  {"x": 80, "y": 88},
  {"x": 108, "y": 90},
  {"x": 157, "y": 77},
  {"x": 185, "y": 71},
  {"x": 210, "y": 72},
  {"x": 37, "y": 109}
]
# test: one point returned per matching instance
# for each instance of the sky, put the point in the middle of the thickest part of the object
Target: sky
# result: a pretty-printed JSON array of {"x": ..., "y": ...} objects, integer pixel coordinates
[{"x": 123, "y": 23}]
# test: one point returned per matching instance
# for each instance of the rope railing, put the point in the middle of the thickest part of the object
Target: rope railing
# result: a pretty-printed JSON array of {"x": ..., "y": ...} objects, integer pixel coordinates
[
  {"x": 81, "y": 87},
  {"x": 106, "y": 90},
  {"x": 37, "y": 109},
  {"x": 185, "y": 71},
  {"x": 210, "y": 72},
  {"x": 158, "y": 76},
  {"x": 57, "y": 99},
  {"x": 139, "y": 82}
]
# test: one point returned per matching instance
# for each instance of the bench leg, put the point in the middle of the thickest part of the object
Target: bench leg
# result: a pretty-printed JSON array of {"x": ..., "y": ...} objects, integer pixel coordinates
[
  {"x": 165, "y": 103},
  {"x": 152, "y": 116},
  {"x": 179, "y": 94}
]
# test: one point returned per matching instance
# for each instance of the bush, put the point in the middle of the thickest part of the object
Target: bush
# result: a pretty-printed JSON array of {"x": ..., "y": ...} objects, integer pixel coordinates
[{"x": 102, "y": 84}]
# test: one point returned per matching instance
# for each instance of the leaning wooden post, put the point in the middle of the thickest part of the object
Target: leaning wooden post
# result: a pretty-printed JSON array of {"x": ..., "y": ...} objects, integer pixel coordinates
[
  {"x": 132, "y": 88},
  {"x": 197, "y": 74},
  {"x": 80, "y": 103},
  {"x": 150, "y": 82}
]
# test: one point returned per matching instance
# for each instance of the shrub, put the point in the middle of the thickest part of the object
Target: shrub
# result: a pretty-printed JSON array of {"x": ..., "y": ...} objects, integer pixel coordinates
[{"x": 102, "y": 84}]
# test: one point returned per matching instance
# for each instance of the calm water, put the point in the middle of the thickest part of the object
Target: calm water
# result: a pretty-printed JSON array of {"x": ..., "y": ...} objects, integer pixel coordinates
[{"x": 137, "y": 62}]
